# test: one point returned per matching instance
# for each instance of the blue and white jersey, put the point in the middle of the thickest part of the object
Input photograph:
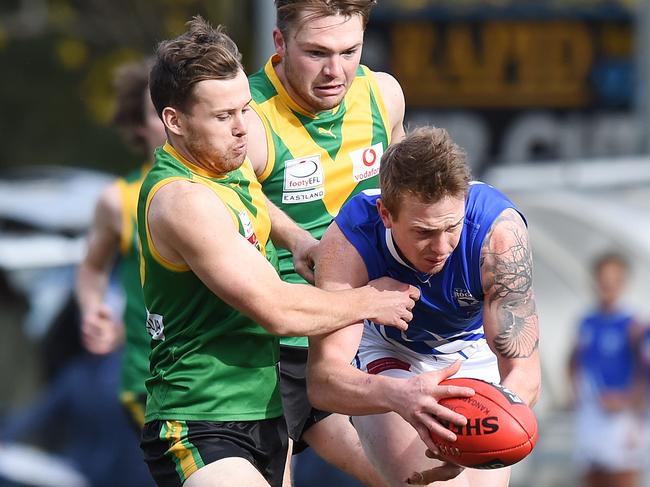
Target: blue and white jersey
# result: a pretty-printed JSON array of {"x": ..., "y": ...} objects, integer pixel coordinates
[
  {"x": 605, "y": 356},
  {"x": 448, "y": 317}
]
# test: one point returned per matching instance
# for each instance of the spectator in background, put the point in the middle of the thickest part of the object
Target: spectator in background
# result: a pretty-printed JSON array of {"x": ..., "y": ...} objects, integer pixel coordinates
[
  {"x": 114, "y": 233},
  {"x": 604, "y": 369}
]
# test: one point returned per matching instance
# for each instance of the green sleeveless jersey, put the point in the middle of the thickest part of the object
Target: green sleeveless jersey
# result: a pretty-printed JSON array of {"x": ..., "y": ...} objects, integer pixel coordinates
[
  {"x": 316, "y": 163},
  {"x": 208, "y": 361},
  {"x": 135, "y": 363}
]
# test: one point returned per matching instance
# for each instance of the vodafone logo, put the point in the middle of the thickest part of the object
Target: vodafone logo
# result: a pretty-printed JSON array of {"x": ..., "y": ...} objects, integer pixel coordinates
[
  {"x": 369, "y": 157},
  {"x": 366, "y": 162}
]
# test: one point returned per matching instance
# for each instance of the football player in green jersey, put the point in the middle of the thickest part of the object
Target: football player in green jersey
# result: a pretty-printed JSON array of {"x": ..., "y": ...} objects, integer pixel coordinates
[
  {"x": 321, "y": 124},
  {"x": 112, "y": 234},
  {"x": 215, "y": 301}
]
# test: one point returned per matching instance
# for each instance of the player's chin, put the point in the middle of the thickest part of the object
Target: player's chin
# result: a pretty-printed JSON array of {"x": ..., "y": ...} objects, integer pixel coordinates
[
  {"x": 323, "y": 103},
  {"x": 431, "y": 268},
  {"x": 236, "y": 159}
]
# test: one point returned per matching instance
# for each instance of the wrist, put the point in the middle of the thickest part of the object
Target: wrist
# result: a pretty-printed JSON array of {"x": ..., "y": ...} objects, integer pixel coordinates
[
  {"x": 390, "y": 392},
  {"x": 301, "y": 239},
  {"x": 366, "y": 299}
]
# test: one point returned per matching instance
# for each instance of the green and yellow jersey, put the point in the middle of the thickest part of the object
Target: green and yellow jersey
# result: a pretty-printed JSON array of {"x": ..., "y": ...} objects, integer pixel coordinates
[
  {"x": 135, "y": 363},
  {"x": 208, "y": 361},
  {"x": 316, "y": 163}
]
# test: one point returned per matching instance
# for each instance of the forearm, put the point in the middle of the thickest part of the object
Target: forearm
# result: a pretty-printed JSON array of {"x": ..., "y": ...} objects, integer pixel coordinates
[
  {"x": 524, "y": 379},
  {"x": 285, "y": 233},
  {"x": 90, "y": 287},
  {"x": 342, "y": 388},
  {"x": 304, "y": 310}
]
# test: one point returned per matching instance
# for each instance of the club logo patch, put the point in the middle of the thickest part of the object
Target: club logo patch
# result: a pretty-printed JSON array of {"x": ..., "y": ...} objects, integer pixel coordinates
[
  {"x": 155, "y": 326},
  {"x": 464, "y": 298},
  {"x": 303, "y": 180}
]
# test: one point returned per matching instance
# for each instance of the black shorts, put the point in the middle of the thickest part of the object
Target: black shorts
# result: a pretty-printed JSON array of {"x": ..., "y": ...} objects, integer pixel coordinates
[
  {"x": 174, "y": 450},
  {"x": 298, "y": 412}
]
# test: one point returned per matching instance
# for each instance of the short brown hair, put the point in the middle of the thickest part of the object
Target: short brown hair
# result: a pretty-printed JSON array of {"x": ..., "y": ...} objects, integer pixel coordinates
[
  {"x": 426, "y": 164},
  {"x": 130, "y": 82},
  {"x": 201, "y": 53},
  {"x": 288, "y": 11}
]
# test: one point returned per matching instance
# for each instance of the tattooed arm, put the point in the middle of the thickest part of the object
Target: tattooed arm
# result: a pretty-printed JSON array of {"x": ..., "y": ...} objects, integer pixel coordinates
[{"x": 510, "y": 315}]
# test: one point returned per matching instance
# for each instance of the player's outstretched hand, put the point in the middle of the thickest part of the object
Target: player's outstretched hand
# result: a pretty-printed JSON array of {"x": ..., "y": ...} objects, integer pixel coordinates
[
  {"x": 417, "y": 402},
  {"x": 393, "y": 302}
]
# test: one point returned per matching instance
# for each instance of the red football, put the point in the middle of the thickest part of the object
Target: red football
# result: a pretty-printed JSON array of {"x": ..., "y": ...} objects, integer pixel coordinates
[{"x": 501, "y": 429}]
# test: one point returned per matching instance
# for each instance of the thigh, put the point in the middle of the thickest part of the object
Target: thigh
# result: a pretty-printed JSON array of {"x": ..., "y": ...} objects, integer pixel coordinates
[
  {"x": 298, "y": 412},
  {"x": 499, "y": 477},
  {"x": 392, "y": 446},
  {"x": 228, "y": 472},
  {"x": 396, "y": 451}
]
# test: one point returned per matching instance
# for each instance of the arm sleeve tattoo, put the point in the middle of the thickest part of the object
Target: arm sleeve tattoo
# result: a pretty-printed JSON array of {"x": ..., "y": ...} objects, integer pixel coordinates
[{"x": 507, "y": 271}]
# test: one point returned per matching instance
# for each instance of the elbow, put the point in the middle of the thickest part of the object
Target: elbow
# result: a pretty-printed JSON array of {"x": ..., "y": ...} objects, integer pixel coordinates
[
  {"x": 315, "y": 392},
  {"x": 277, "y": 326}
]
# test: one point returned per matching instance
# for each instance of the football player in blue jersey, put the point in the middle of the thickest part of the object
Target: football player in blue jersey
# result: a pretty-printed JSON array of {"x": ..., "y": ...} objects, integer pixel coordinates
[{"x": 465, "y": 246}]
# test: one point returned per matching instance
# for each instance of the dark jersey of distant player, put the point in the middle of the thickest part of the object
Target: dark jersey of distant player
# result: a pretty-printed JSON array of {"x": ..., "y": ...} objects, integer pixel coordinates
[{"x": 448, "y": 317}]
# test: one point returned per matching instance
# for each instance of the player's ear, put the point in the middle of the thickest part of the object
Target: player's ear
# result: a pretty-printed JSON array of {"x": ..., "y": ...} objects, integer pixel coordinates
[
  {"x": 279, "y": 42},
  {"x": 171, "y": 119},
  {"x": 384, "y": 214}
]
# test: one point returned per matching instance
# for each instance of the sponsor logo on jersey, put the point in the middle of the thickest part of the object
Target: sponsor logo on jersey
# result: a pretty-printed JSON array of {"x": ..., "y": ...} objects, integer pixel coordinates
[
  {"x": 303, "y": 180},
  {"x": 324, "y": 131},
  {"x": 464, "y": 298},
  {"x": 249, "y": 232},
  {"x": 366, "y": 161},
  {"x": 155, "y": 326}
]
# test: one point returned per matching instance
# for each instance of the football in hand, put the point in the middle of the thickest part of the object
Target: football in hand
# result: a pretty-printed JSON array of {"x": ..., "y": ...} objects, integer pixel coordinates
[{"x": 501, "y": 429}]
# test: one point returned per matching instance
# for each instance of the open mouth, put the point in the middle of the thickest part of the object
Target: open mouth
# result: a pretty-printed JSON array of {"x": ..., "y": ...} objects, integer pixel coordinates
[{"x": 329, "y": 89}]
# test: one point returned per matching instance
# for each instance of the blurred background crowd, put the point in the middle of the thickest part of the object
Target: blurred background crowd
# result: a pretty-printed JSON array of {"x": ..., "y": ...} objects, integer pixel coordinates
[{"x": 550, "y": 98}]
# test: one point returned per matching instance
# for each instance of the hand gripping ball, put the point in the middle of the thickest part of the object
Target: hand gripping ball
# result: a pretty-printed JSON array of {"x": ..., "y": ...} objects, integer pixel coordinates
[{"x": 501, "y": 429}]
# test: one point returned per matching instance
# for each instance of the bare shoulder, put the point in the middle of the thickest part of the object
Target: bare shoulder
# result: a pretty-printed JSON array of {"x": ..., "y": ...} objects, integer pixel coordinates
[
  {"x": 187, "y": 219},
  {"x": 390, "y": 88},
  {"x": 184, "y": 199},
  {"x": 393, "y": 96},
  {"x": 507, "y": 229},
  {"x": 257, "y": 141},
  {"x": 506, "y": 258}
]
